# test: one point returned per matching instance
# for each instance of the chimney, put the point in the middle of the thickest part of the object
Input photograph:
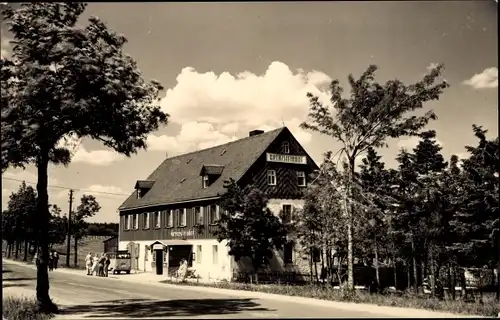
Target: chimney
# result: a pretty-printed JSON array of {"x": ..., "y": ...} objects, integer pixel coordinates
[{"x": 255, "y": 132}]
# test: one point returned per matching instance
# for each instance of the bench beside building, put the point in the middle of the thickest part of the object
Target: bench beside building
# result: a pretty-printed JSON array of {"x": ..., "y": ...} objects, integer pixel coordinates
[{"x": 172, "y": 214}]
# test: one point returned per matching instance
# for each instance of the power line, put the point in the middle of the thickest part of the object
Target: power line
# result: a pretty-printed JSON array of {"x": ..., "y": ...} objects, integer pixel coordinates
[{"x": 68, "y": 188}]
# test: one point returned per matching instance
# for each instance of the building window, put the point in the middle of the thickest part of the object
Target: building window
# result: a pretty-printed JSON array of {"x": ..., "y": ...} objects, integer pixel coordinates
[
  {"x": 285, "y": 147},
  {"x": 181, "y": 214},
  {"x": 126, "y": 223},
  {"x": 271, "y": 177},
  {"x": 288, "y": 252},
  {"x": 138, "y": 193},
  {"x": 145, "y": 220},
  {"x": 135, "y": 221},
  {"x": 198, "y": 253},
  {"x": 157, "y": 219},
  {"x": 205, "y": 181},
  {"x": 215, "y": 254},
  {"x": 301, "y": 178},
  {"x": 198, "y": 216},
  {"x": 213, "y": 214},
  {"x": 170, "y": 219},
  {"x": 287, "y": 213}
]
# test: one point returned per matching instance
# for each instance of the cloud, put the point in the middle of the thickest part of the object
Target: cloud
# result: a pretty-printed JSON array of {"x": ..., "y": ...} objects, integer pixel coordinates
[
  {"x": 411, "y": 142},
  {"x": 111, "y": 190},
  {"x": 232, "y": 105},
  {"x": 109, "y": 198},
  {"x": 6, "y": 48},
  {"x": 487, "y": 79},
  {"x": 96, "y": 157},
  {"x": 80, "y": 154},
  {"x": 192, "y": 136}
]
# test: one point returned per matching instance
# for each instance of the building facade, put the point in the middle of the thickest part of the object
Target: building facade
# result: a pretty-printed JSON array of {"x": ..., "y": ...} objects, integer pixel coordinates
[{"x": 172, "y": 214}]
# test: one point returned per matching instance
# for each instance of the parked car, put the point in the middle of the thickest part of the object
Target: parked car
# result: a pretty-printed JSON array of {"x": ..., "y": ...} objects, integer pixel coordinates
[{"x": 120, "y": 261}]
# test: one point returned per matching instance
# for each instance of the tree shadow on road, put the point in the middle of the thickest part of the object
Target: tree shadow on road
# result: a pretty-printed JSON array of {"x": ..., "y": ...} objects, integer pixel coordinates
[
  {"x": 8, "y": 285},
  {"x": 164, "y": 308},
  {"x": 18, "y": 279}
]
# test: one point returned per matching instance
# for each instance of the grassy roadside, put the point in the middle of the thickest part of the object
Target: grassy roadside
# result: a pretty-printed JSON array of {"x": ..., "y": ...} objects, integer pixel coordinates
[
  {"x": 22, "y": 308},
  {"x": 489, "y": 307}
]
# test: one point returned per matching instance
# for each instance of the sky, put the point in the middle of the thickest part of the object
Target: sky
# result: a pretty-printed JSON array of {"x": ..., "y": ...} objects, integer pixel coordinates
[{"x": 229, "y": 68}]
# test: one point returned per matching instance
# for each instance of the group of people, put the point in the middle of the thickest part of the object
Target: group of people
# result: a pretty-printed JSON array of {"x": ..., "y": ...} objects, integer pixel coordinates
[
  {"x": 53, "y": 260},
  {"x": 98, "y": 264}
]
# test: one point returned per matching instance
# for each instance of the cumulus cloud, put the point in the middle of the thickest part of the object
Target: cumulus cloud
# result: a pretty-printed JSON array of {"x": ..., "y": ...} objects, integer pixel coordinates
[
  {"x": 485, "y": 80},
  {"x": 6, "y": 48},
  {"x": 192, "y": 136},
  {"x": 81, "y": 155},
  {"x": 96, "y": 157},
  {"x": 227, "y": 105},
  {"x": 411, "y": 142}
]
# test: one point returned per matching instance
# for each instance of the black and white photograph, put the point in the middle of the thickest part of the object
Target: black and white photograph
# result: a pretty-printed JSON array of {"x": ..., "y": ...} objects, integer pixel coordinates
[{"x": 244, "y": 160}]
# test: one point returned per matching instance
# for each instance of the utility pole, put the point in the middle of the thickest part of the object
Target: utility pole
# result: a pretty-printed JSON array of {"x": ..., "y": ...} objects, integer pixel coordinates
[{"x": 68, "y": 247}]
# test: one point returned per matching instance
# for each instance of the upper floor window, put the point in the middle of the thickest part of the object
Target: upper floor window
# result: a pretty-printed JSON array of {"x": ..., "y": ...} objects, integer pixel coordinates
[
  {"x": 157, "y": 219},
  {"x": 138, "y": 193},
  {"x": 135, "y": 221},
  {"x": 285, "y": 147},
  {"x": 271, "y": 177},
  {"x": 169, "y": 219},
  {"x": 198, "y": 216},
  {"x": 145, "y": 220},
  {"x": 181, "y": 214},
  {"x": 301, "y": 178},
  {"x": 287, "y": 213},
  {"x": 126, "y": 222},
  {"x": 205, "y": 181},
  {"x": 213, "y": 214}
]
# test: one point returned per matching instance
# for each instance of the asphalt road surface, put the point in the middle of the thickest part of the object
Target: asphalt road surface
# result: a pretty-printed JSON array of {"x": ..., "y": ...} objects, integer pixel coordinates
[{"x": 99, "y": 298}]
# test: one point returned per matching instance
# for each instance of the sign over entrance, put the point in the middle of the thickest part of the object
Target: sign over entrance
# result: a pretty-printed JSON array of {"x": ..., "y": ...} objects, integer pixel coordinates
[
  {"x": 286, "y": 158},
  {"x": 189, "y": 233}
]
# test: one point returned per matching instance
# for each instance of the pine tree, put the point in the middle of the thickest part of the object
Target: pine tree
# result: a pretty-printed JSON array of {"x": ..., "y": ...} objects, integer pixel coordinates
[{"x": 429, "y": 165}]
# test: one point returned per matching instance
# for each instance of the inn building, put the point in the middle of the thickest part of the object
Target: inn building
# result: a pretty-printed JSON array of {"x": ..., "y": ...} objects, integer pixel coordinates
[{"x": 171, "y": 215}]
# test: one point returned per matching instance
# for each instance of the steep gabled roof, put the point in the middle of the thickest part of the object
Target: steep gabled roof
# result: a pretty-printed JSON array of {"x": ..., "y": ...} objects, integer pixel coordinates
[{"x": 178, "y": 178}]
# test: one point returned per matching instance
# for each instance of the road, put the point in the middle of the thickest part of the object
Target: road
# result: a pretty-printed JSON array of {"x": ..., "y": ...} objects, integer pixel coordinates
[{"x": 93, "y": 297}]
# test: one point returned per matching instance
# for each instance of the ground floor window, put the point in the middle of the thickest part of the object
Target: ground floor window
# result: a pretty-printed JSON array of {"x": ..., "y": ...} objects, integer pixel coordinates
[
  {"x": 215, "y": 254},
  {"x": 288, "y": 253},
  {"x": 198, "y": 253}
]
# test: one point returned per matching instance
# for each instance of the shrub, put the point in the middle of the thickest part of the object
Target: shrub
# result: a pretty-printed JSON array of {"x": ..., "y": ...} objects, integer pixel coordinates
[{"x": 22, "y": 308}]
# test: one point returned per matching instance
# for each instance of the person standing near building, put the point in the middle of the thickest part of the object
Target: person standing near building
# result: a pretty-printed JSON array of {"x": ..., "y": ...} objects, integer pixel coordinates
[
  {"x": 100, "y": 267},
  {"x": 88, "y": 263},
  {"x": 95, "y": 264},
  {"x": 106, "y": 265}
]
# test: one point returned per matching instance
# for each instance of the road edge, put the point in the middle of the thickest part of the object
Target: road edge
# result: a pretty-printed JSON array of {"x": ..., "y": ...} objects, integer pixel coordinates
[{"x": 351, "y": 306}]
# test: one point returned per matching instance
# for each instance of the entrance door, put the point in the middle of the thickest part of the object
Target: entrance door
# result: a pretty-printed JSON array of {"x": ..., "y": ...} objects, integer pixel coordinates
[{"x": 159, "y": 261}]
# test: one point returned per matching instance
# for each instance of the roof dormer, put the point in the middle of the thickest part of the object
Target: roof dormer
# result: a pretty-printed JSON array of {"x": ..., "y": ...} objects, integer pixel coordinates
[
  {"x": 142, "y": 187},
  {"x": 210, "y": 173}
]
